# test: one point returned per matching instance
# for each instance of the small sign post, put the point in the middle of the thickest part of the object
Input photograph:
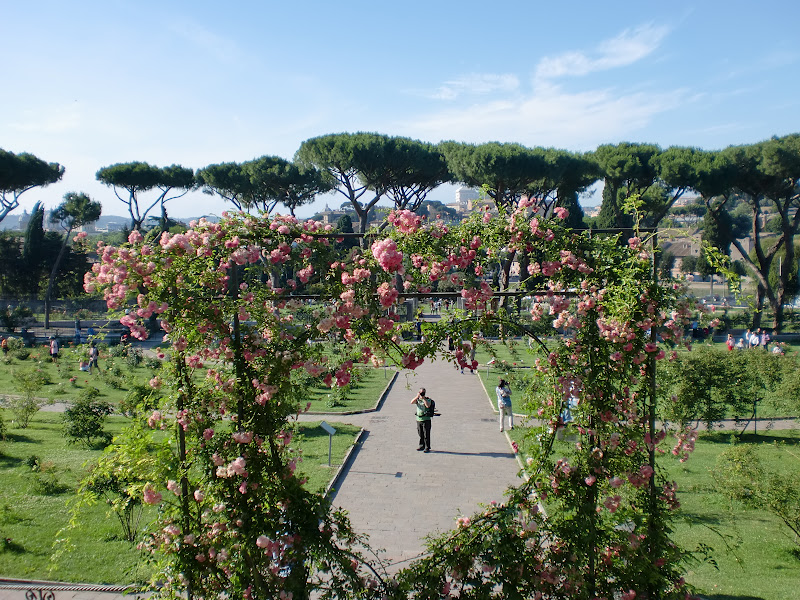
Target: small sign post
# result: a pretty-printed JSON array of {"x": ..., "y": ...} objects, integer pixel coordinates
[{"x": 330, "y": 430}]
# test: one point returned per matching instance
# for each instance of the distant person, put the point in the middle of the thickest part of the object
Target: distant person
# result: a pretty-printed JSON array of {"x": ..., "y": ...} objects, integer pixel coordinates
[
  {"x": 94, "y": 354},
  {"x": 746, "y": 339},
  {"x": 504, "y": 404},
  {"x": 755, "y": 338},
  {"x": 424, "y": 405},
  {"x": 729, "y": 342},
  {"x": 54, "y": 347},
  {"x": 765, "y": 339},
  {"x": 4, "y": 345}
]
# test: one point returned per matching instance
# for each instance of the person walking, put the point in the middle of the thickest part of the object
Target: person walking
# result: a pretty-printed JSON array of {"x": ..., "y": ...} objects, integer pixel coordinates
[
  {"x": 729, "y": 342},
  {"x": 424, "y": 415},
  {"x": 94, "y": 354},
  {"x": 504, "y": 404}
]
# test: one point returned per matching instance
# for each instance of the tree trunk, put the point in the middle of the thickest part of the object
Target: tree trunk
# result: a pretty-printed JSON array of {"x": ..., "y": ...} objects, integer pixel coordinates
[
  {"x": 52, "y": 280},
  {"x": 760, "y": 292}
]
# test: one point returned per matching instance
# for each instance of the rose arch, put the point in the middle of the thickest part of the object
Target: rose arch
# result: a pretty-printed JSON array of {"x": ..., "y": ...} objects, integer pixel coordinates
[{"x": 246, "y": 303}]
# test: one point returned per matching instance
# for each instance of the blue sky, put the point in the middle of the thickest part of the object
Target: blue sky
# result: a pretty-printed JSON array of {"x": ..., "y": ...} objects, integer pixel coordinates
[{"x": 88, "y": 84}]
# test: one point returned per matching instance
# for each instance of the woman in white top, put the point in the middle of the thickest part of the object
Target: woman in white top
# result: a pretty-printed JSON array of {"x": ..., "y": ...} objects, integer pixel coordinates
[{"x": 504, "y": 404}]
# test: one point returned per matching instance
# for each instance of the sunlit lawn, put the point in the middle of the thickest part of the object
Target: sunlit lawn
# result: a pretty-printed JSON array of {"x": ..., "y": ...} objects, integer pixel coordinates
[
  {"x": 756, "y": 555},
  {"x": 31, "y": 517}
]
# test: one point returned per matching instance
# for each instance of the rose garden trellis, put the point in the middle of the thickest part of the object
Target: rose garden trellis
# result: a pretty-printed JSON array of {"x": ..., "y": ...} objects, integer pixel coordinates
[{"x": 234, "y": 517}]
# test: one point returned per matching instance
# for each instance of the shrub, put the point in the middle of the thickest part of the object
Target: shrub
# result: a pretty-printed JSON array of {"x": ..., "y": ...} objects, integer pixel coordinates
[
  {"x": 114, "y": 369},
  {"x": 28, "y": 383},
  {"x": 152, "y": 363},
  {"x": 18, "y": 316},
  {"x": 118, "y": 351},
  {"x": 114, "y": 382},
  {"x": 133, "y": 357},
  {"x": 140, "y": 398},
  {"x": 32, "y": 462},
  {"x": 47, "y": 484},
  {"x": 741, "y": 476},
  {"x": 15, "y": 343},
  {"x": 21, "y": 354},
  {"x": 84, "y": 420}
]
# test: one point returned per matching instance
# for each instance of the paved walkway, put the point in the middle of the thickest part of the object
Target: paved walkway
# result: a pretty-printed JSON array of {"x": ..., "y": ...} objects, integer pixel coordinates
[
  {"x": 397, "y": 495},
  {"x": 393, "y": 493}
]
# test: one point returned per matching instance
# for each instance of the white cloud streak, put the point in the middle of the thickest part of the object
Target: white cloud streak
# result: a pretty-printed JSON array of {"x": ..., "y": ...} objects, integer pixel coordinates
[
  {"x": 627, "y": 48},
  {"x": 49, "y": 120},
  {"x": 551, "y": 118},
  {"x": 222, "y": 48},
  {"x": 476, "y": 84},
  {"x": 548, "y": 114}
]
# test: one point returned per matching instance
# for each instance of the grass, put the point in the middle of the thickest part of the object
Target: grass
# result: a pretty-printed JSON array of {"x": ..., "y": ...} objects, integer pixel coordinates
[
  {"x": 755, "y": 556},
  {"x": 762, "y": 561},
  {"x": 314, "y": 442},
  {"x": 30, "y": 520},
  {"x": 113, "y": 383},
  {"x": 362, "y": 396}
]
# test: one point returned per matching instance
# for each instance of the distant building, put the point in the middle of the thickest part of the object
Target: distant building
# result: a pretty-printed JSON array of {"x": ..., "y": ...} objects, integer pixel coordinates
[
  {"x": 23, "y": 220},
  {"x": 591, "y": 211},
  {"x": 465, "y": 199},
  {"x": 329, "y": 216}
]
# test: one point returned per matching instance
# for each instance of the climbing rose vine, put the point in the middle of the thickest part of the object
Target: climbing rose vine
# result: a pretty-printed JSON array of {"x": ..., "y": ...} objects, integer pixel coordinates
[{"x": 592, "y": 520}]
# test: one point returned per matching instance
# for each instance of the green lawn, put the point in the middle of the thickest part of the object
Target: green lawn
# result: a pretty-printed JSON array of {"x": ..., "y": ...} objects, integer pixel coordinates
[
  {"x": 65, "y": 380},
  {"x": 762, "y": 562},
  {"x": 362, "y": 395},
  {"x": 33, "y": 505},
  {"x": 754, "y": 552}
]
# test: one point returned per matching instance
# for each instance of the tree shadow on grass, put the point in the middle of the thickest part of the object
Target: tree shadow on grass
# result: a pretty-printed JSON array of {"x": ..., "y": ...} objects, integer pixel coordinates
[
  {"x": 724, "y": 437},
  {"x": 10, "y": 462},
  {"x": 19, "y": 438},
  {"x": 699, "y": 519},
  {"x": 729, "y": 597}
]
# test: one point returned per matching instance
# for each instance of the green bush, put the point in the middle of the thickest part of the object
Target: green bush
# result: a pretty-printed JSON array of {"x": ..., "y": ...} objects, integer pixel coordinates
[
  {"x": 15, "y": 343},
  {"x": 24, "y": 406},
  {"x": 18, "y": 316},
  {"x": 32, "y": 462},
  {"x": 741, "y": 476},
  {"x": 47, "y": 484},
  {"x": 21, "y": 354},
  {"x": 133, "y": 357},
  {"x": 140, "y": 398},
  {"x": 118, "y": 351},
  {"x": 114, "y": 382},
  {"x": 84, "y": 420}
]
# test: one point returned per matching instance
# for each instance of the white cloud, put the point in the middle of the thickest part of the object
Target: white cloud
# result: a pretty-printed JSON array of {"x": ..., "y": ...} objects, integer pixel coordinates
[
  {"x": 628, "y": 47},
  {"x": 224, "y": 49},
  {"x": 551, "y": 117},
  {"x": 49, "y": 120},
  {"x": 477, "y": 84},
  {"x": 547, "y": 114}
]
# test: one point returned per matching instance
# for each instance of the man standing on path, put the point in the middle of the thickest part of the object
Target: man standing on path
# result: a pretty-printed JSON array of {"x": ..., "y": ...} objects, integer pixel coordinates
[
  {"x": 504, "y": 404},
  {"x": 423, "y": 420}
]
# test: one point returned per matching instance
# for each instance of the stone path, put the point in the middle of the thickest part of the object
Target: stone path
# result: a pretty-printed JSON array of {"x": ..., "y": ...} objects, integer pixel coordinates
[{"x": 396, "y": 494}]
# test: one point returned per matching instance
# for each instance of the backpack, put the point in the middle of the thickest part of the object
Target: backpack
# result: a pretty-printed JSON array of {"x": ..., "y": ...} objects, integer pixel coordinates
[{"x": 431, "y": 410}]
